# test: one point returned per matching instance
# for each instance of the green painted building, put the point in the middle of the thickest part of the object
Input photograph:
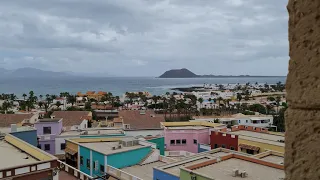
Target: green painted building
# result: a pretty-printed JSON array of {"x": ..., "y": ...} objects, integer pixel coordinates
[{"x": 159, "y": 142}]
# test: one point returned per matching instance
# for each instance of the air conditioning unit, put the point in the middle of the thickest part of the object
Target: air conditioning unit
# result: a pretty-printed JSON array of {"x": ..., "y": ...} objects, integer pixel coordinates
[
  {"x": 243, "y": 174},
  {"x": 235, "y": 172},
  {"x": 119, "y": 146},
  {"x": 114, "y": 148}
]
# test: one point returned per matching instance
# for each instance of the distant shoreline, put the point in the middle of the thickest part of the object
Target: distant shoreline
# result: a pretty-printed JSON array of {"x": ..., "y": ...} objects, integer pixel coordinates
[{"x": 222, "y": 76}]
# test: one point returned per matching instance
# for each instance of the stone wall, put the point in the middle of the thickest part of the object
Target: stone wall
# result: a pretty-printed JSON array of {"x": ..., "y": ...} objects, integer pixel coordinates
[{"x": 302, "y": 157}]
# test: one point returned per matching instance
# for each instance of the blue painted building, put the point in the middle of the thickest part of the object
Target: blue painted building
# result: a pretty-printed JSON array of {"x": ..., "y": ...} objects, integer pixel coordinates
[
  {"x": 94, "y": 157},
  {"x": 26, "y": 133},
  {"x": 203, "y": 148},
  {"x": 160, "y": 175}
]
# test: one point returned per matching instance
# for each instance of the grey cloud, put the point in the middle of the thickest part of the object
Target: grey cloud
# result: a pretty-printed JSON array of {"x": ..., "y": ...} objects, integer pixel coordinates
[{"x": 145, "y": 37}]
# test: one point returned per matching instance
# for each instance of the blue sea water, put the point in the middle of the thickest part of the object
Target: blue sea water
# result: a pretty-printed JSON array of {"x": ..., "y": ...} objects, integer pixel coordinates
[{"x": 116, "y": 85}]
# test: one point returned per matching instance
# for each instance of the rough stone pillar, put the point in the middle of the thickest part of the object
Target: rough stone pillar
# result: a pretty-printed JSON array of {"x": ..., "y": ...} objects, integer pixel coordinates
[{"x": 302, "y": 157}]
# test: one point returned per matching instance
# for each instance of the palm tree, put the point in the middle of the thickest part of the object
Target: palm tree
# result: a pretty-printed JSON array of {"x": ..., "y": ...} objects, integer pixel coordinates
[
  {"x": 239, "y": 97},
  {"x": 58, "y": 104},
  {"x": 278, "y": 99},
  {"x": 40, "y": 104},
  {"x": 24, "y": 96},
  {"x": 200, "y": 101},
  {"x": 71, "y": 99},
  {"x": 13, "y": 97},
  {"x": 40, "y": 96},
  {"x": 155, "y": 100},
  {"x": 219, "y": 100}
]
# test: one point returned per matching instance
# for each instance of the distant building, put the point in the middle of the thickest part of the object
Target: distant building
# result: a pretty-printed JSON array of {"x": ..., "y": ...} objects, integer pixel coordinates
[
  {"x": 19, "y": 119},
  {"x": 92, "y": 95},
  {"x": 73, "y": 120},
  {"x": 140, "y": 119}
]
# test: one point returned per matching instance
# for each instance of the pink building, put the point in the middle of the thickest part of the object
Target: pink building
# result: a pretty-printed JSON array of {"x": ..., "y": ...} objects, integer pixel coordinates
[{"x": 186, "y": 138}]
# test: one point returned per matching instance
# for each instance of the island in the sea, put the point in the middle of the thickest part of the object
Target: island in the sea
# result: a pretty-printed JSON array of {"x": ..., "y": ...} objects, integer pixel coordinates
[{"x": 185, "y": 73}]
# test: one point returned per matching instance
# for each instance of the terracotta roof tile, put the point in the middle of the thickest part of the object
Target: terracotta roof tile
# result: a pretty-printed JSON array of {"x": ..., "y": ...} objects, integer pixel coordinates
[
  {"x": 7, "y": 119},
  {"x": 149, "y": 120},
  {"x": 71, "y": 118}
]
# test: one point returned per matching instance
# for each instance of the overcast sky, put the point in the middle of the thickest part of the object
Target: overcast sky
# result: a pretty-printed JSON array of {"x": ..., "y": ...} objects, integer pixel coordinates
[{"x": 145, "y": 37}]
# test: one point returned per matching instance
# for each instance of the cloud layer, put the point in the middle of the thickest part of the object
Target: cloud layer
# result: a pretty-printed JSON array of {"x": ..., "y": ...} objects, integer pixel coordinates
[{"x": 145, "y": 37}]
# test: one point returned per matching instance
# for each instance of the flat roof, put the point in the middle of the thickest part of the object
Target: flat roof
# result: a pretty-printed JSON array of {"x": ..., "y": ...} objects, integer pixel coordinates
[
  {"x": 49, "y": 120},
  {"x": 144, "y": 172},
  {"x": 106, "y": 147},
  {"x": 274, "y": 159},
  {"x": 260, "y": 137},
  {"x": 174, "y": 168},
  {"x": 91, "y": 132},
  {"x": 189, "y": 127},
  {"x": 11, "y": 156},
  {"x": 224, "y": 169}
]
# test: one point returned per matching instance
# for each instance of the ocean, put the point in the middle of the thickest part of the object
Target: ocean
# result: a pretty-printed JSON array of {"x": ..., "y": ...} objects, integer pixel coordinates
[{"x": 116, "y": 85}]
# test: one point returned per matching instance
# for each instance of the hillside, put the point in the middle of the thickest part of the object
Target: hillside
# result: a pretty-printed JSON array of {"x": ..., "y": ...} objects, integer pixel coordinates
[{"x": 178, "y": 73}]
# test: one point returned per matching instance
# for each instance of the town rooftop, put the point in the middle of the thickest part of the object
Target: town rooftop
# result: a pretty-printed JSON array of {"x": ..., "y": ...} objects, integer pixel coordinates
[{"x": 145, "y": 171}]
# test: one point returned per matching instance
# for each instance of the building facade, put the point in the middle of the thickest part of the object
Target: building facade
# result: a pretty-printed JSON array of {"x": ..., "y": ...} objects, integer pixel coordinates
[
  {"x": 47, "y": 130},
  {"x": 223, "y": 140}
]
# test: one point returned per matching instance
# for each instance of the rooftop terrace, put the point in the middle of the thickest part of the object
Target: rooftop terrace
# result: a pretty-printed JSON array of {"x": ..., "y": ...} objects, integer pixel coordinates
[
  {"x": 11, "y": 156},
  {"x": 107, "y": 147},
  {"x": 260, "y": 137},
  {"x": 225, "y": 168},
  {"x": 92, "y": 132},
  {"x": 144, "y": 172}
]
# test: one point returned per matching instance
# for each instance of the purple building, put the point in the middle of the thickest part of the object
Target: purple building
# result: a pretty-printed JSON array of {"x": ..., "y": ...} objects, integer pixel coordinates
[{"x": 47, "y": 130}]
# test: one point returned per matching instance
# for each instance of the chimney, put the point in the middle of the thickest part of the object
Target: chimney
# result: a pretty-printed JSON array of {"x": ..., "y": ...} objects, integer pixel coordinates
[{"x": 13, "y": 128}]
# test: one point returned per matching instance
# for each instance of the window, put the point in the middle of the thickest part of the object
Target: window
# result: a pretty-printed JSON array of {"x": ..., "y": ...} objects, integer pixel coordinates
[
  {"x": 101, "y": 168},
  {"x": 47, "y": 147},
  {"x": 184, "y": 141},
  {"x": 46, "y": 130},
  {"x": 63, "y": 146},
  {"x": 178, "y": 141},
  {"x": 172, "y": 142},
  {"x": 231, "y": 147},
  {"x": 246, "y": 121},
  {"x": 216, "y": 146},
  {"x": 88, "y": 163},
  {"x": 239, "y": 121},
  {"x": 81, "y": 160},
  {"x": 195, "y": 141},
  {"x": 223, "y": 146},
  {"x": 94, "y": 164}
]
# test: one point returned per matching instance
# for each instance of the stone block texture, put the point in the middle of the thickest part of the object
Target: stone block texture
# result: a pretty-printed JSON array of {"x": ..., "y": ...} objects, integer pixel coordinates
[
  {"x": 303, "y": 81},
  {"x": 302, "y": 150}
]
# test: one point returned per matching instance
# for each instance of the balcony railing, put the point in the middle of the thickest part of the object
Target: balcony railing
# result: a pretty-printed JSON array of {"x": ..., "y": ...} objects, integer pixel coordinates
[
  {"x": 73, "y": 171},
  {"x": 120, "y": 174},
  {"x": 179, "y": 153}
]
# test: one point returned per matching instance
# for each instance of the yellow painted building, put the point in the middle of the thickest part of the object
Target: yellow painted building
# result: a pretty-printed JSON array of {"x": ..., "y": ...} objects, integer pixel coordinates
[{"x": 264, "y": 146}]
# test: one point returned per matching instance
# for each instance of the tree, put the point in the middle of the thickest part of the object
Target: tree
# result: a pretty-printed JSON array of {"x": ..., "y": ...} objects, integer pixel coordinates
[
  {"x": 258, "y": 108},
  {"x": 40, "y": 104},
  {"x": 246, "y": 98},
  {"x": 155, "y": 100},
  {"x": 239, "y": 97},
  {"x": 58, "y": 104},
  {"x": 271, "y": 98},
  {"x": 219, "y": 101},
  {"x": 200, "y": 101},
  {"x": 279, "y": 120},
  {"x": 24, "y": 96},
  {"x": 40, "y": 96},
  {"x": 278, "y": 99},
  {"x": 71, "y": 99}
]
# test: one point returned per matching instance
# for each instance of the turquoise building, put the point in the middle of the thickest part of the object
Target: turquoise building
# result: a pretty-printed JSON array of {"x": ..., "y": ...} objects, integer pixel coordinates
[
  {"x": 160, "y": 144},
  {"x": 94, "y": 157}
]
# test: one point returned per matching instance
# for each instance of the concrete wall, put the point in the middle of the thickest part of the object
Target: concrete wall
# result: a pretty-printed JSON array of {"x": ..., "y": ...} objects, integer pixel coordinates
[
  {"x": 202, "y": 136},
  {"x": 160, "y": 175},
  {"x": 52, "y": 146},
  {"x": 27, "y": 136},
  {"x": 186, "y": 175},
  {"x": 86, "y": 154}
]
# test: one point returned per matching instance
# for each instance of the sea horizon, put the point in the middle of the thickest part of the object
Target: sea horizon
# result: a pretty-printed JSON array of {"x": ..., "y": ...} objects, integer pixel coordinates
[{"x": 118, "y": 85}]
